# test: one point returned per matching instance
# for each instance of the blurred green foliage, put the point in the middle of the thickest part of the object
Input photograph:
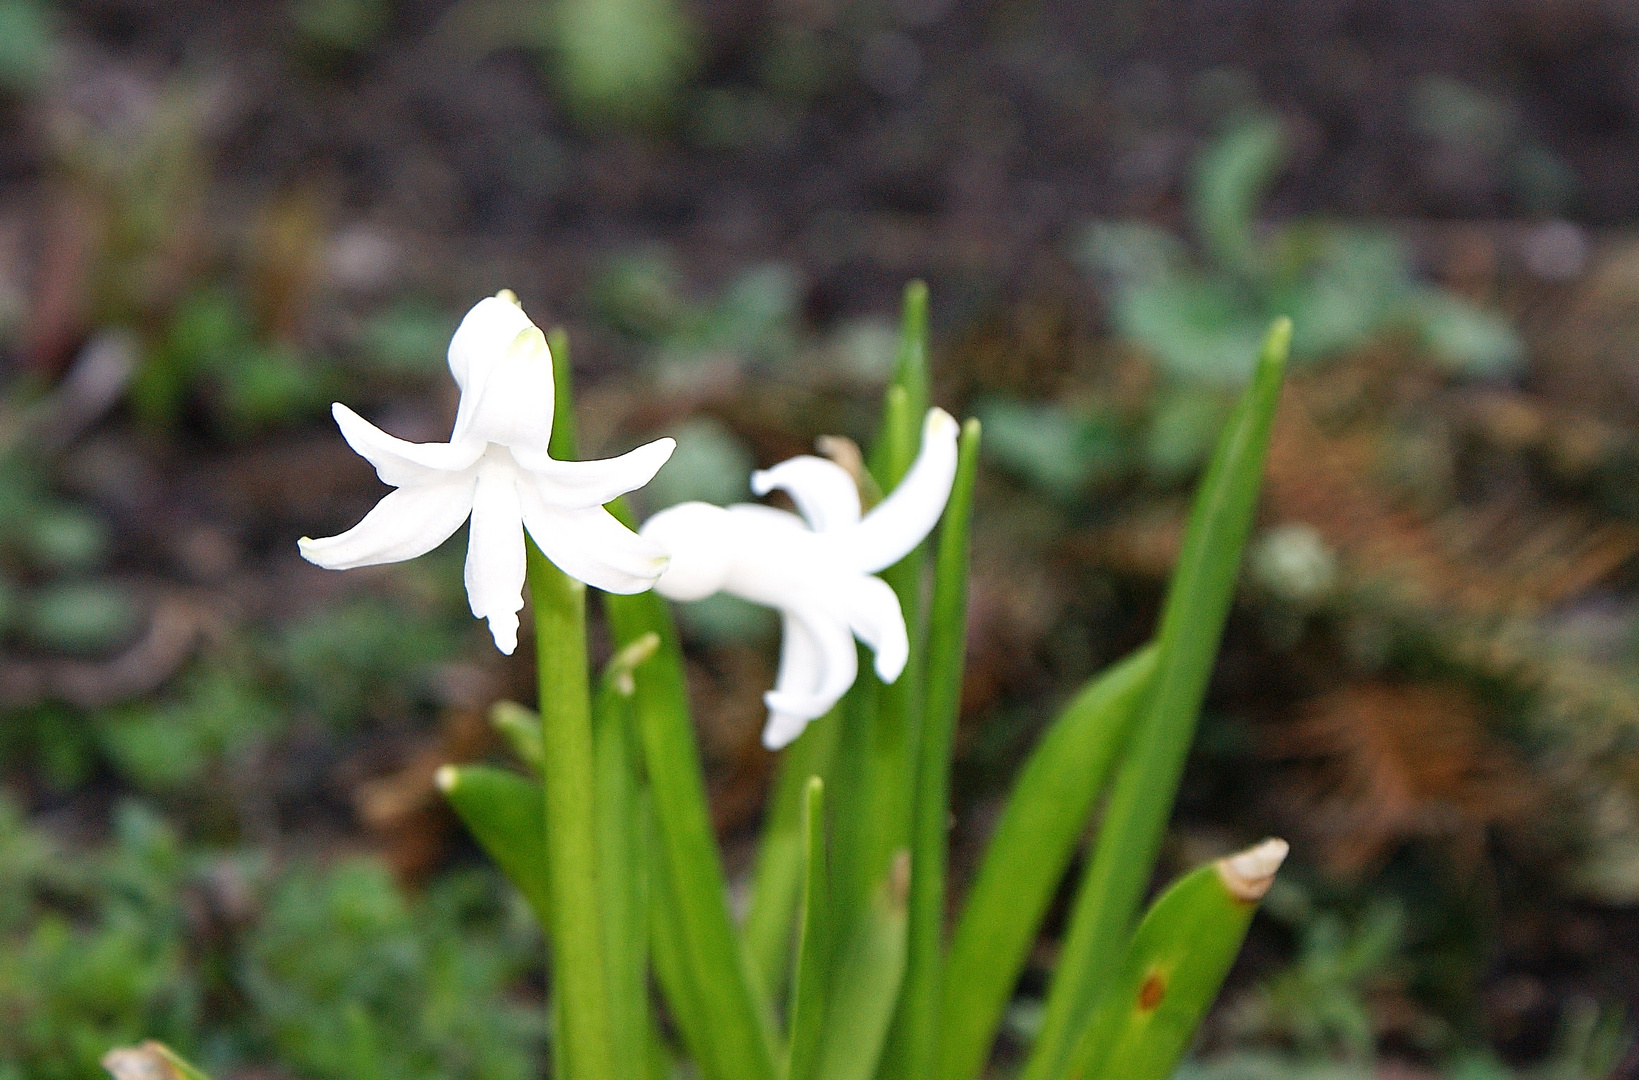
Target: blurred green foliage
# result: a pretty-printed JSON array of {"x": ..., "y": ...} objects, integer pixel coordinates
[
  {"x": 249, "y": 384},
  {"x": 27, "y": 45},
  {"x": 336, "y": 973},
  {"x": 1341, "y": 286},
  {"x": 352, "y": 981}
]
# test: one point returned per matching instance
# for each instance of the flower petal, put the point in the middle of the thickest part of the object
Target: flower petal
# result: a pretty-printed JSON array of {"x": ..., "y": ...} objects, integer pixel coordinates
[
  {"x": 589, "y": 544},
  {"x": 410, "y": 521},
  {"x": 574, "y": 485},
  {"x": 824, "y": 492},
  {"x": 495, "y": 553},
  {"x": 484, "y": 334},
  {"x": 799, "y": 669},
  {"x": 817, "y": 666},
  {"x": 875, "y": 618},
  {"x": 696, "y": 539},
  {"x": 399, "y": 462},
  {"x": 506, "y": 383},
  {"x": 897, "y": 524}
]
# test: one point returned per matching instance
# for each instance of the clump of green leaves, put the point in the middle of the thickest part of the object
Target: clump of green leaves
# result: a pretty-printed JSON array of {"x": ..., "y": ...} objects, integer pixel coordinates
[
  {"x": 351, "y": 980},
  {"x": 92, "y": 950},
  {"x": 1341, "y": 285}
]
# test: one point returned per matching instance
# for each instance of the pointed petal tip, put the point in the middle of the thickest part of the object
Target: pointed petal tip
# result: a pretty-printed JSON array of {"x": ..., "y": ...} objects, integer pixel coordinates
[{"x": 447, "y": 777}]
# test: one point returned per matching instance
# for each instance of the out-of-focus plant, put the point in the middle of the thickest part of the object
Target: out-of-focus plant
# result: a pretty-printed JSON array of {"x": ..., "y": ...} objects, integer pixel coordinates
[
  {"x": 27, "y": 45},
  {"x": 1342, "y": 285},
  {"x": 349, "y": 979},
  {"x": 92, "y": 951},
  {"x": 614, "y": 62}
]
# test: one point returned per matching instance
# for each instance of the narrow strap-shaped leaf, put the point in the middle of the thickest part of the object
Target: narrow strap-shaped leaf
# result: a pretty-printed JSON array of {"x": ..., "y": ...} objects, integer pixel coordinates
[
  {"x": 777, "y": 881},
  {"x": 915, "y": 1048},
  {"x": 506, "y": 814},
  {"x": 813, "y": 964},
  {"x": 1033, "y": 841},
  {"x": 877, "y": 748},
  {"x": 623, "y": 865},
  {"x": 670, "y": 956},
  {"x": 865, "y": 983},
  {"x": 1173, "y": 969},
  {"x": 1141, "y": 800},
  {"x": 739, "y": 1038},
  {"x": 585, "y": 1046}
]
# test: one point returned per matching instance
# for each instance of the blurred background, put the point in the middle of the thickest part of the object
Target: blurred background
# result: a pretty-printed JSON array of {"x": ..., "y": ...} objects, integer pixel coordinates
[{"x": 217, "y": 819}]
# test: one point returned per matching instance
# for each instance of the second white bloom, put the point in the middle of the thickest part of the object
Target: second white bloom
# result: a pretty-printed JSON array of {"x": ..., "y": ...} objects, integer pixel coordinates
[{"x": 817, "y": 569}]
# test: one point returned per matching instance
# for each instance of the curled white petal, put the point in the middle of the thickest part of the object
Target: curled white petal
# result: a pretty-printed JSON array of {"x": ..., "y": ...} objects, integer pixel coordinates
[
  {"x": 590, "y": 545},
  {"x": 817, "y": 666},
  {"x": 508, "y": 397},
  {"x": 408, "y": 522},
  {"x": 824, "y": 492},
  {"x": 900, "y": 522},
  {"x": 492, "y": 324},
  {"x": 397, "y": 461},
  {"x": 495, "y": 554},
  {"x": 698, "y": 537},
  {"x": 574, "y": 485},
  {"x": 875, "y": 618}
]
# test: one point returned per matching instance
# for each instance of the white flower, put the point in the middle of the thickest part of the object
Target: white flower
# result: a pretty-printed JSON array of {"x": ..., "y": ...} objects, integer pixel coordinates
[
  {"x": 816, "y": 569},
  {"x": 496, "y": 469}
]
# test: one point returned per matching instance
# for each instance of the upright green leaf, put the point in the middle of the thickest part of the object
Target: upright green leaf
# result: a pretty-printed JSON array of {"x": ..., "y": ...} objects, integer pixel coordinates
[
  {"x": 623, "y": 863},
  {"x": 865, "y": 983},
  {"x": 777, "y": 881},
  {"x": 877, "y": 747},
  {"x": 1192, "y": 621},
  {"x": 521, "y": 728},
  {"x": 1037, "y": 833},
  {"x": 1173, "y": 969},
  {"x": 712, "y": 966},
  {"x": 813, "y": 964},
  {"x": 506, "y": 814},
  {"x": 915, "y": 1048}
]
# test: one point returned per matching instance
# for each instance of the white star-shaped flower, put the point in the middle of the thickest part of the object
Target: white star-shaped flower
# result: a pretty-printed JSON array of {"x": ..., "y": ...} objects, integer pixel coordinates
[
  {"x": 496, "y": 470},
  {"x": 817, "y": 569}
]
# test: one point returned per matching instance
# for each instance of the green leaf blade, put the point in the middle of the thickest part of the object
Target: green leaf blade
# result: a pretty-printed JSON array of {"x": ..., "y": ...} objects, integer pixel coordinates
[
  {"x": 813, "y": 964},
  {"x": 1172, "y": 970},
  {"x": 506, "y": 814},
  {"x": 1192, "y": 621},
  {"x": 1027, "y": 855}
]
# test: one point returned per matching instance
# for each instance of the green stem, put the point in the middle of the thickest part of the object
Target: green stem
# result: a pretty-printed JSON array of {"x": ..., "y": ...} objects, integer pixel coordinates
[{"x": 579, "y": 975}]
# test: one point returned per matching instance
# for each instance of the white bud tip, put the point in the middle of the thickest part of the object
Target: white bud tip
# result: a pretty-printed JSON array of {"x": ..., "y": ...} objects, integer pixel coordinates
[
  {"x": 446, "y": 778},
  {"x": 1249, "y": 874},
  {"x": 939, "y": 421},
  {"x": 509, "y": 296}
]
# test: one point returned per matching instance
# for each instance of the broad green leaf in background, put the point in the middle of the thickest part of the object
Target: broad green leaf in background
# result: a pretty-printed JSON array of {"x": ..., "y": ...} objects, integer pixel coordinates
[
  {"x": 1192, "y": 620},
  {"x": 1230, "y": 180},
  {"x": 1173, "y": 968},
  {"x": 1045, "y": 816}
]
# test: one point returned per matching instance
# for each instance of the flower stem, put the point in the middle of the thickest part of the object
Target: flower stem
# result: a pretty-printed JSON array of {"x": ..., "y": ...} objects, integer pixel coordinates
[{"x": 580, "y": 982}]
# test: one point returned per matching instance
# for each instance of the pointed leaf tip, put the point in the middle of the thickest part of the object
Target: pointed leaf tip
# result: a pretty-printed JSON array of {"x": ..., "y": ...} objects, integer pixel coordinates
[{"x": 1249, "y": 874}]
